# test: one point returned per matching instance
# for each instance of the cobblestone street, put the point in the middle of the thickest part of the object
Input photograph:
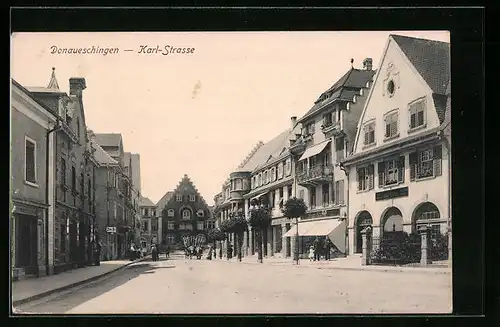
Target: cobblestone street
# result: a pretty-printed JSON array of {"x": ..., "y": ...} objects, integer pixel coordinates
[{"x": 190, "y": 286}]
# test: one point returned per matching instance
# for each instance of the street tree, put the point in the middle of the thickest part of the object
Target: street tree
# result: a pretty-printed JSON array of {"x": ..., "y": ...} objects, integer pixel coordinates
[
  {"x": 238, "y": 225},
  {"x": 294, "y": 208},
  {"x": 259, "y": 219},
  {"x": 214, "y": 235}
]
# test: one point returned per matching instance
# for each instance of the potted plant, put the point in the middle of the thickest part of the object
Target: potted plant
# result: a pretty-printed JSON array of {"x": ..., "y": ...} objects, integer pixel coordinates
[{"x": 294, "y": 208}]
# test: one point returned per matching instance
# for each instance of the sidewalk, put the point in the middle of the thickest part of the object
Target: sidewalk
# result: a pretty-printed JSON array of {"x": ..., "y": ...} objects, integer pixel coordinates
[
  {"x": 31, "y": 289},
  {"x": 349, "y": 263}
]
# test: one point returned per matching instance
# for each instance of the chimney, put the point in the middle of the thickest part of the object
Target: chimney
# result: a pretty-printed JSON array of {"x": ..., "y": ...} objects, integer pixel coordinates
[
  {"x": 368, "y": 64},
  {"x": 76, "y": 86},
  {"x": 294, "y": 121}
]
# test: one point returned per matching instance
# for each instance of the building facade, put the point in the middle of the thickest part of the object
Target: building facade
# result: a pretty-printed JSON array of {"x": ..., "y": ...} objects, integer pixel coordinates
[
  {"x": 185, "y": 214},
  {"x": 107, "y": 201},
  {"x": 149, "y": 222},
  {"x": 399, "y": 171},
  {"x": 32, "y": 182},
  {"x": 127, "y": 205},
  {"x": 74, "y": 171},
  {"x": 327, "y": 136}
]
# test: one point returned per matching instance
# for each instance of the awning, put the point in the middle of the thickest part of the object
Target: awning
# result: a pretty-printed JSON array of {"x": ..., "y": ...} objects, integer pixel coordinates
[
  {"x": 333, "y": 228},
  {"x": 258, "y": 196},
  {"x": 314, "y": 150}
]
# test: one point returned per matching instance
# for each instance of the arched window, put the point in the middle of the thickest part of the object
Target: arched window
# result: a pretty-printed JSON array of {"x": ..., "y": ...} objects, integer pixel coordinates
[
  {"x": 171, "y": 212},
  {"x": 186, "y": 214}
]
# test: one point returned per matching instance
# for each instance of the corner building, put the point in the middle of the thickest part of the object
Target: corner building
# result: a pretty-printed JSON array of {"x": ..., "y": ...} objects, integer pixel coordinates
[{"x": 399, "y": 171}]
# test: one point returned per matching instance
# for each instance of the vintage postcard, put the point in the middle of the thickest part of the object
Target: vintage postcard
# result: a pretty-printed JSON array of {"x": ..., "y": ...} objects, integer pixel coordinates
[{"x": 231, "y": 172}]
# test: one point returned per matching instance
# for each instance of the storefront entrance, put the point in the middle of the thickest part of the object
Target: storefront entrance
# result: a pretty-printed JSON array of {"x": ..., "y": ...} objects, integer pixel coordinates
[
  {"x": 26, "y": 243},
  {"x": 364, "y": 220}
]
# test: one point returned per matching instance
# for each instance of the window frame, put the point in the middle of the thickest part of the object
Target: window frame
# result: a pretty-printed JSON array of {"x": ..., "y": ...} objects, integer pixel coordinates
[
  {"x": 192, "y": 198},
  {"x": 178, "y": 197},
  {"x": 414, "y": 111},
  {"x": 186, "y": 217},
  {"x": 170, "y": 225},
  {"x": 389, "y": 116},
  {"x": 369, "y": 127},
  {"x": 366, "y": 186},
  {"x": 26, "y": 181},
  {"x": 200, "y": 223},
  {"x": 170, "y": 213}
]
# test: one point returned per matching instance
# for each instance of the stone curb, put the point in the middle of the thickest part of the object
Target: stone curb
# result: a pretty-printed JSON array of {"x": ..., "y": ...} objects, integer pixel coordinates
[
  {"x": 72, "y": 285},
  {"x": 363, "y": 268}
]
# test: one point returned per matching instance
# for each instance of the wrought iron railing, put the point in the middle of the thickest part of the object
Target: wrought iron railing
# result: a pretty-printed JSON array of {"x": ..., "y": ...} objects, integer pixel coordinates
[{"x": 322, "y": 171}]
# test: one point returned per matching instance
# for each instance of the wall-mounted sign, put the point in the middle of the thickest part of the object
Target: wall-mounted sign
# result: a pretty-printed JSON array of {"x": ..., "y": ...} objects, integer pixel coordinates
[
  {"x": 391, "y": 194},
  {"x": 110, "y": 229}
]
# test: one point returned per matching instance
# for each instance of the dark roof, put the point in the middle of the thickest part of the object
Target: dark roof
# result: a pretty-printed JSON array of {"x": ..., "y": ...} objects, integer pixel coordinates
[
  {"x": 344, "y": 89},
  {"x": 146, "y": 202},
  {"x": 30, "y": 94},
  {"x": 430, "y": 58},
  {"x": 163, "y": 201},
  {"x": 108, "y": 139}
]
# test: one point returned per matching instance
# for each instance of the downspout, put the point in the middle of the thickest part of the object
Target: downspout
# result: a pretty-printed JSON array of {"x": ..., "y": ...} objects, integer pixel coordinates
[
  {"x": 58, "y": 127},
  {"x": 448, "y": 150},
  {"x": 341, "y": 166}
]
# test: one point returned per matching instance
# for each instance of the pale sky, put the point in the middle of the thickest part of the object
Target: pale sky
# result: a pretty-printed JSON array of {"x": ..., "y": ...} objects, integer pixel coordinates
[{"x": 248, "y": 85}]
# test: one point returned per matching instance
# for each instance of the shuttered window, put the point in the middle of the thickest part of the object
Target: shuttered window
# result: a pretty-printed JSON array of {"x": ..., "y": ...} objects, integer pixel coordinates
[
  {"x": 391, "y": 125},
  {"x": 426, "y": 163},
  {"x": 365, "y": 176}
]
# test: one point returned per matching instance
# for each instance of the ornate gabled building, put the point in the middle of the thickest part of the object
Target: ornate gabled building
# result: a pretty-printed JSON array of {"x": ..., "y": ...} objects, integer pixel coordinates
[
  {"x": 327, "y": 136},
  {"x": 185, "y": 213},
  {"x": 74, "y": 215},
  {"x": 399, "y": 171}
]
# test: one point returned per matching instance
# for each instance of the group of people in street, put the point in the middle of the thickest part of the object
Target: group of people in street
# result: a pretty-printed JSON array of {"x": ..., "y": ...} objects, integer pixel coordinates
[{"x": 320, "y": 247}]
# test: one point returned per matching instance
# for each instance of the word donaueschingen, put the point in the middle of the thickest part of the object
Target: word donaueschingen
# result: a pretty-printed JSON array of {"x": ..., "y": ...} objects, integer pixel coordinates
[{"x": 84, "y": 50}]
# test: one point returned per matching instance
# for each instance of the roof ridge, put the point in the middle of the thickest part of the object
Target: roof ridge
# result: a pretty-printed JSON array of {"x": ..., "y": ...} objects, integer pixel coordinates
[
  {"x": 252, "y": 152},
  {"x": 417, "y": 38}
]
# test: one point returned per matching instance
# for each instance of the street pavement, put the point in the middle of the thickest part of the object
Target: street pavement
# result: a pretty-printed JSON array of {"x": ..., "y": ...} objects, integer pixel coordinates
[{"x": 182, "y": 286}]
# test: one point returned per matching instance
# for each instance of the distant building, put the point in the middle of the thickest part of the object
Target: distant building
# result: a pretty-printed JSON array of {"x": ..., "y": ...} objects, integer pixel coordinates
[
  {"x": 185, "y": 213},
  {"x": 108, "y": 202},
  {"x": 127, "y": 218},
  {"x": 399, "y": 171},
  {"x": 149, "y": 222},
  {"x": 32, "y": 183}
]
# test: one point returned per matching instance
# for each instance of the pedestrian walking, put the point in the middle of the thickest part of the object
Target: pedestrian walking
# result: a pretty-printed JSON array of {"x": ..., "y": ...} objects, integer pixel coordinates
[
  {"x": 167, "y": 252},
  {"x": 316, "y": 245},
  {"x": 97, "y": 254},
  {"x": 328, "y": 246},
  {"x": 311, "y": 253},
  {"x": 154, "y": 253}
]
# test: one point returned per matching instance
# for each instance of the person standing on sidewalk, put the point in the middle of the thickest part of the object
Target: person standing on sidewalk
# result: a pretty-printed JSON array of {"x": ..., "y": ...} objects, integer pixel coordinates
[{"x": 328, "y": 246}]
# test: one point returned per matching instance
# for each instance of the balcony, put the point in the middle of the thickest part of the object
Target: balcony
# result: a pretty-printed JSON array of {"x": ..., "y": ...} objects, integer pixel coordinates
[
  {"x": 330, "y": 128},
  {"x": 315, "y": 176},
  {"x": 298, "y": 147}
]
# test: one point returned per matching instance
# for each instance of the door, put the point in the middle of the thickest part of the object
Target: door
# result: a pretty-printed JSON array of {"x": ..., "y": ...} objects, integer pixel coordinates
[{"x": 27, "y": 245}]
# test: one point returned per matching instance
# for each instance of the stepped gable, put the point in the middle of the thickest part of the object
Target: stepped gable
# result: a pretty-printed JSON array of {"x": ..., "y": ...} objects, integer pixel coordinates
[{"x": 186, "y": 182}]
